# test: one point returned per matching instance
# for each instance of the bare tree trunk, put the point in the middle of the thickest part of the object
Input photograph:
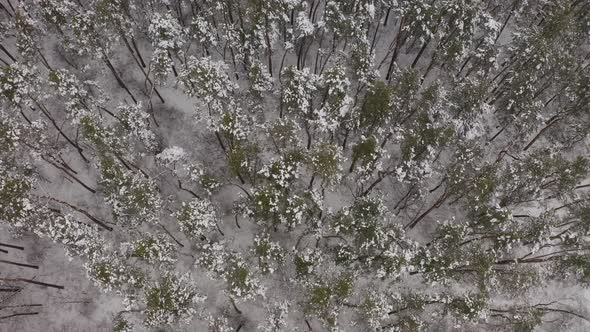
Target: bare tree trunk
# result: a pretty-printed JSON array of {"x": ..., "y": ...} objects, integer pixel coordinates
[
  {"x": 74, "y": 144},
  {"x": 36, "y": 267},
  {"x": 415, "y": 62},
  {"x": 119, "y": 80},
  {"x": 91, "y": 217},
  {"x": 141, "y": 65},
  {"x": 398, "y": 43},
  {"x": 18, "y": 314},
  {"x": 11, "y": 246},
  {"x": 7, "y": 53},
  {"x": 269, "y": 46},
  {"x": 33, "y": 282},
  {"x": 549, "y": 125},
  {"x": 438, "y": 202}
]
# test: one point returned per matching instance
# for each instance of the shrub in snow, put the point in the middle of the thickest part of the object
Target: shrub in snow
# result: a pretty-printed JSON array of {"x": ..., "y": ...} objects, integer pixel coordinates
[
  {"x": 171, "y": 300},
  {"x": 196, "y": 218}
]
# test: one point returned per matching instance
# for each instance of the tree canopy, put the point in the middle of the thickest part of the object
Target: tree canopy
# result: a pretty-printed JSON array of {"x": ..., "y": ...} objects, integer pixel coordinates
[{"x": 306, "y": 165}]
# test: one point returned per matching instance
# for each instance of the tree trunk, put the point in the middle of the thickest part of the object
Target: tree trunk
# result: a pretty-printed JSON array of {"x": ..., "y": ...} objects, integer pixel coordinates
[
  {"x": 415, "y": 62},
  {"x": 438, "y": 202},
  {"x": 119, "y": 80},
  {"x": 540, "y": 133}
]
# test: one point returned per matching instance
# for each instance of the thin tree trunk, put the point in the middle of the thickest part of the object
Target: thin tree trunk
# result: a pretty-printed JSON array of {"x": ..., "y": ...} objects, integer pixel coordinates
[
  {"x": 438, "y": 202},
  {"x": 73, "y": 177},
  {"x": 91, "y": 217},
  {"x": 141, "y": 67},
  {"x": 138, "y": 53},
  {"x": 540, "y": 133},
  {"x": 174, "y": 71},
  {"x": 6, "y": 10},
  {"x": 415, "y": 62},
  {"x": 19, "y": 314},
  {"x": 32, "y": 282},
  {"x": 36, "y": 267},
  {"x": 119, "y": 80},
  {"x": 187, "y": 190},
  {"x": 269, "y": 46},
  {"x": 375, "y": 183},
  {"x": 11, "y": 246},
  {"x": 172, "y": 236},
  {"x": 398, "y": 44},
  {"x": 505, "y": 22},
  {"x": 75, "y": 145},
  {"x": 386, "y": 17},
  {"x": 7, "y": 53}
]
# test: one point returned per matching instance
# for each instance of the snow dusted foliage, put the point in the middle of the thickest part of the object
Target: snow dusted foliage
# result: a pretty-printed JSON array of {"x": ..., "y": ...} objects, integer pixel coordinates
[
  {"x": 306, "y": 262},
  {"x": 362, "y": 62},
  {"x": 171, "y": 300},
  {"x": 196, "y": 218},
  {"x": 166, "y": 36},
  {"x": 325, "y": 165},
  {"x": 281, "y": 172},
  {"x": 19, "y": 84},
  {"x": 277, "y": 317},
  {"x": 241, "y": 282},
  {"x": 133, "y": 198},
  {"x": 196, "y": 173},
  {"x": 79, "y": 102},
  {"x": 326, "y": 161},
  {"x": 284, "y": 133},
  {"x": 345, "y": 20},
  {"x": 121, "y": 324},
  {"x": 214, "y": 257},
  {"x": 233, "y": 125},
  {"x": 303, "y": 26},
  {"x": 79, "y": 239},
  {"x": 171, "y": 157},
  {"x": 110, "y": 271},
  {"x": 165, "y": 32},
  {"x": 153, "y": 249},
  {"x": 202, "y": 30},
  {"x": 206, "y": 78},
  {"x": 135, "y": 121},
  {"x": 16, "y": 206},
  {"x": 337, "y": 101},
  {"x": 260, "y": 79},
  {"x": 219, "y": 324},
  {"x": 28, "y": 34},
  {"x": 270, "y": 254},
  {"x": 365, "y": 156},
  {"x": 375, "y": 309},
  {"x": 85, "y": 37},
  {"x": 297, "y": 91}
]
